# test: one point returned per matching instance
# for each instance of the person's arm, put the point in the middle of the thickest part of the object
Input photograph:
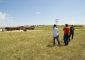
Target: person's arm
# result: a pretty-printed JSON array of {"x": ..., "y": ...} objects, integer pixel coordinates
[
  {"x": 69, "y": 31},
  {"x": 73, "y": 28},
  {"x": 57, "y": 29}
]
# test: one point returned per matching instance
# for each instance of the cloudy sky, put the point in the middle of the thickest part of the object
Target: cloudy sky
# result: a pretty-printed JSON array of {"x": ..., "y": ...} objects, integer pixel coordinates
[{"x": 31, "y": 12}]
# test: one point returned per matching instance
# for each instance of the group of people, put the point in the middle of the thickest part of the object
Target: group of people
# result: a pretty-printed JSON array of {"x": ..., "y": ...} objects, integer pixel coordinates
[{"x": 68, "y": 34}]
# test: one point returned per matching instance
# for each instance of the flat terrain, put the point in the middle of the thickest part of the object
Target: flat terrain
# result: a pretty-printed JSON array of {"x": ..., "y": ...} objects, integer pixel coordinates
[{"x": 38, "y": 45}]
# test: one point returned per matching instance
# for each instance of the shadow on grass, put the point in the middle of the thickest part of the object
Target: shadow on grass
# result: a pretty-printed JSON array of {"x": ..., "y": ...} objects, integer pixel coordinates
[{"x": 51, "y": 45}]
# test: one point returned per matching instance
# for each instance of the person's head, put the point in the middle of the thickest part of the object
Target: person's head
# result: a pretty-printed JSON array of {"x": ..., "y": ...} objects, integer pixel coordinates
[
  {"x": 54, "y": 25},
  {"x": 66, "y": 25}
]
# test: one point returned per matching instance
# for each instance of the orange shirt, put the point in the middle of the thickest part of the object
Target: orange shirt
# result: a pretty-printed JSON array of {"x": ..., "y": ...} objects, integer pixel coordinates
[{"x": 66, "y": 30}]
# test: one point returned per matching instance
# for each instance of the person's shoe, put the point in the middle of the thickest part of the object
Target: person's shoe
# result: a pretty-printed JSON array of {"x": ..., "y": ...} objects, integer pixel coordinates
[{"x": 66, "y": 44}]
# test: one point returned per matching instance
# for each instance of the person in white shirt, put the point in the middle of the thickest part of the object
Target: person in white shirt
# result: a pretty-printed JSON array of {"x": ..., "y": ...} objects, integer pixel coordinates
[{"x": 55, "y": 34}]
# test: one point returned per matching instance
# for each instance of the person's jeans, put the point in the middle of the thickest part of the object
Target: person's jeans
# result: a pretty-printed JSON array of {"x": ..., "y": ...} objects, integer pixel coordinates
[
  {"x": 56, "y": 38},
  {"x": 71, "y": 35},
  {"x": 66, "y": 39}
]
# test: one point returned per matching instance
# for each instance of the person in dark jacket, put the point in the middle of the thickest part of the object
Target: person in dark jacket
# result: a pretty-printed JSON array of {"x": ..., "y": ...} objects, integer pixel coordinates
[{"x": 72, "y": 32}]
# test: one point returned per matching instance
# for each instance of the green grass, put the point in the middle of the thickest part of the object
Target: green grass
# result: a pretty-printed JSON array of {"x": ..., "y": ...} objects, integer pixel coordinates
[{"x": 38, "y": 45}]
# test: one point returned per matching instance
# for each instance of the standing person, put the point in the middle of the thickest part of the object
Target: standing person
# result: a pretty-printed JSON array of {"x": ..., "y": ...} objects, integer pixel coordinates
[
  {"x": 66, "y": 34},
  {"x": 55, "y": 35},
  {"x": 71, "y": 31}
]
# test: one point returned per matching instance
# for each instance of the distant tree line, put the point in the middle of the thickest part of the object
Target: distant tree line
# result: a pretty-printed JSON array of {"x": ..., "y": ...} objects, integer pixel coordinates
[{"x": 24, "y": 28}]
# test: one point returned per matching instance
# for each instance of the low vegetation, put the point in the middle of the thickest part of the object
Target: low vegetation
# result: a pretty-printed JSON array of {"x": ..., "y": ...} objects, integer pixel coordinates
[{"x": 38, "y": 45}]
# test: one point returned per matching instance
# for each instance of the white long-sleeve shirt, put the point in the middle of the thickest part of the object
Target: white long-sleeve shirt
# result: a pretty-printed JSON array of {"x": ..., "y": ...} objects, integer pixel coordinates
[{"x": 55, "y": 32}]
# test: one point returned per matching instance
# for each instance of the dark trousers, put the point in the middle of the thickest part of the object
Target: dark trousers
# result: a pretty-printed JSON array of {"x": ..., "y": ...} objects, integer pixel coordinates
[
  {"x": 66, "y": 39},
  {"x": 56, "y": 38},
  {"x": 71, "y": 35}
]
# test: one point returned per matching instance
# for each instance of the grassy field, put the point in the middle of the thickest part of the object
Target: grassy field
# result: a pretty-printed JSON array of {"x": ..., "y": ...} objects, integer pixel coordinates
[{"x": 38, "y": 45}]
